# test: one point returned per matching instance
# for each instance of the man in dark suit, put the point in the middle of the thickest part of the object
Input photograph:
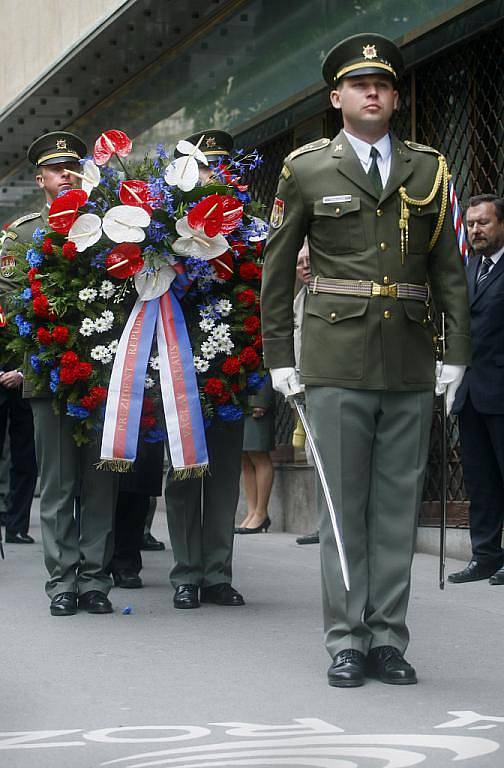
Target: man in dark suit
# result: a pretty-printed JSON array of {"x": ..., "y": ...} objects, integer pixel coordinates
[{"x": 480, "y": 399}]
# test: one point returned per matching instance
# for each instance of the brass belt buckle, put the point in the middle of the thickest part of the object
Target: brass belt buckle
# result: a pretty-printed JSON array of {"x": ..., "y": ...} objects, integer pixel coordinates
[{"x": 384, "y": 290}]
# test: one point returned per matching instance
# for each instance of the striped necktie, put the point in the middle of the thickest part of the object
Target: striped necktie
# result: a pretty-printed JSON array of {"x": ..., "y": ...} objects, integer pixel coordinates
[
  {"x": 486, "y": 263},
  {"x": 374, "y": 171}
]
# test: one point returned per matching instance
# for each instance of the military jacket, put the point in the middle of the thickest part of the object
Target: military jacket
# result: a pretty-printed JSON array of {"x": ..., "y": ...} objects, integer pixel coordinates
[{"x": 379, "y": 342}]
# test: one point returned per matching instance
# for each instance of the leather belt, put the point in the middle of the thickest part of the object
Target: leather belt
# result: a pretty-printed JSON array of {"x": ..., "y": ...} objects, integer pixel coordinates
[{"x": 368, "y": 288}]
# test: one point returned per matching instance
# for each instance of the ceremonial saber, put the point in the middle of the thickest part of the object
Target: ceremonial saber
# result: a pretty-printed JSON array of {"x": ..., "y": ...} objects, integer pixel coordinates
[
  {"x": 444, "y": 471},
  {"x": 321, "y": 473}
]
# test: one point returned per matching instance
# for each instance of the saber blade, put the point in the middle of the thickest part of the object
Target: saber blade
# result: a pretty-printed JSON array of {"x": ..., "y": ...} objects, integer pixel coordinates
[{"x": 321, "y": 473}]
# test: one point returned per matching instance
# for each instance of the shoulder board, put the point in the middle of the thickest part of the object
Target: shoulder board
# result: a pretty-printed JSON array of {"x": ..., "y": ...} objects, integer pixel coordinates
[
  {"x": 22, "y": 219},
  {"x": 311, "y": 147},
  {"x": 10, "y": 236},
  {"x": 421, "y": 147}
]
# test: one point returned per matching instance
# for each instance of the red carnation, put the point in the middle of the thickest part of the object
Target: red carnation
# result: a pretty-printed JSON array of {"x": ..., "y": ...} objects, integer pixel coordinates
[
  {"x": 224, "y": 398},
  {"x": 147, "y": 422},
  {"x": 47, "y": 246},
  {"x": 69, "y": 358},
  {"x": 84, "y": 371},
  {"x": 68, "y": 374},
  {"x": 248, "y": 271},
  {"x": 89, "y": 402},
  {"x": 247, "y": 297},
  {"x": 252, "y": 324},
  {"x": 69, "y": 250},
  {"x": 258, "y": 341},
  {"x": 60, "y": 334},
  {"x": 99, "y": 393},
  {"x": 36, "y": 288},
  {"x": 32, "y": 273},
  {"x": 214, "y": 387},
  {"x": 249, "y": 357},
  {"x": 41, "y": 306},
  {"x": 44, "y": 337},
  {"x": 235, "y": 387},
  {"x": 231, "y": 366}
]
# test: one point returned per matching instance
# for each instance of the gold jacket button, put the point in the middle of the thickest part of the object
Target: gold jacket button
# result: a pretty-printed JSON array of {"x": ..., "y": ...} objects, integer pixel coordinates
[
  {"x": 379, "y": 212},
  {"x": 333, "y": 315},
  {"x": 385, "y": 280},
  {"x": 337, "y": 211},
  {"x": 387, "y": 314},
  {"x": 383, "y": 246}
]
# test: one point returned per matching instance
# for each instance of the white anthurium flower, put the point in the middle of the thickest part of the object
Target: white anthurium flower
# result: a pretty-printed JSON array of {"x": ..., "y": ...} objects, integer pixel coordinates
[
  {"x": 261, "y": 229},
  {"x": 85, "y": 231},
  {"x": 194, "y": 242},
  {"x": 91, "y": 176},
  {"x": 125, "y": 223},
  {"x": 187, "y": 148},
  {"x": 182, "y": 173},
  {"x": 151, "y": 285}
]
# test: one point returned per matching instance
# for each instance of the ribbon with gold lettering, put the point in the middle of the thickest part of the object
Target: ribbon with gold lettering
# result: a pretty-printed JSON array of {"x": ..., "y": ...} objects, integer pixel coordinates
[{"x": 179, "y": 389}]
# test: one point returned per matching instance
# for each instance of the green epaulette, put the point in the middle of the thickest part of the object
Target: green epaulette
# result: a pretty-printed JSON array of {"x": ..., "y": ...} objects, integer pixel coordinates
[
  {"x": 22, "y": 219},
  {"x": 421, "y": 147},
  {"x": 311, "y": 147}
]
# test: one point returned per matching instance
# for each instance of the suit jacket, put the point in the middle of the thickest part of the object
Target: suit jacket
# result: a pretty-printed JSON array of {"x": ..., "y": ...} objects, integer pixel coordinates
[
  {"x": 349, "y": 341},
  {"x": 484, "y": 380}
]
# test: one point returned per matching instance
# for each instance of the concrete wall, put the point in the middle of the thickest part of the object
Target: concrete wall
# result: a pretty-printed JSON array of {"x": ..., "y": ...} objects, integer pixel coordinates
[{"x": 36, "y": 33}]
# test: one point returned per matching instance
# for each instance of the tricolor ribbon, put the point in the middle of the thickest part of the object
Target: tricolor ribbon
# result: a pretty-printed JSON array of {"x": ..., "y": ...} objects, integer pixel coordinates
[
  {"x": 458, "y": 223},
  {"x": 179, "y": 389}
]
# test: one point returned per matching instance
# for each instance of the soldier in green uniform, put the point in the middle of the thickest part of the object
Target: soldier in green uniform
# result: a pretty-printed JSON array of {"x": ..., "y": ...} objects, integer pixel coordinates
[
  {"x": 201, "y": 511},
  {"x": 75, "y": 559},
  {"x": 381, "y": 245}
]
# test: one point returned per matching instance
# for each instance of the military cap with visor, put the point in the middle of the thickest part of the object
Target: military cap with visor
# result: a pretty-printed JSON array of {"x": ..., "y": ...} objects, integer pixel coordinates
[
  {"x": 56, "y": 147},
  {"x": 363, "y": 54},
  {"x": 214, "y": 144}
]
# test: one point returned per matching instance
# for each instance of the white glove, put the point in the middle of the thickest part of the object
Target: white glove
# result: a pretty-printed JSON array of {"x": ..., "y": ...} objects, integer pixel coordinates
[
  {"x": 286, "y": 381},
  {"x": 448, "y": 379}
]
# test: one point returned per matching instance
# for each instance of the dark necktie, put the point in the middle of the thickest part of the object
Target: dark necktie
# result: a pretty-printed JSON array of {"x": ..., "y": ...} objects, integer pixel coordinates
[
  {"x": 374, "y": 172},
  {"x": 486, "y": 263}
]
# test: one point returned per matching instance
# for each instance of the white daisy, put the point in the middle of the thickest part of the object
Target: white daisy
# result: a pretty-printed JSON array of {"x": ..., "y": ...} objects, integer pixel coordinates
[
  {"x": 149, "y": 382},
  {"x": 224, "y": 307},
  {"x": 87, "y": 327},
  {"x": 102, "y": 354},
  {"x": 208, "y": 349},
  {"x": 224, "y": 345},
  {"x": 107, "y": 289},
  {"x": 201, "y": 365},
  {"x": 154, "y": 362},
  {"x": 207, "y": 324},
  {"x": 220, "y": 331},
  {"x": 113, "y": 346},
  {"x": 88, "y": 295},
  {"x": 101, "y": 325}
]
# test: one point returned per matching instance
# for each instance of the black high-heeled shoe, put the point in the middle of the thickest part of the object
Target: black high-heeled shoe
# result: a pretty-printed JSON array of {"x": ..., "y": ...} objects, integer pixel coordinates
[{"x": 260, "y": 528}]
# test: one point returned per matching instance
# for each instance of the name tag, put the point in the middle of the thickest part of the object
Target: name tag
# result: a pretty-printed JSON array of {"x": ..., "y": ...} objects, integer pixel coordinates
[{"x": 337, "y": 199}]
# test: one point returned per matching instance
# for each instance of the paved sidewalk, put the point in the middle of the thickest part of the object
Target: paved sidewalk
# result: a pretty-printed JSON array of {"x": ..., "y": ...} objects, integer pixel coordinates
[{"x": 241, "y": 686}]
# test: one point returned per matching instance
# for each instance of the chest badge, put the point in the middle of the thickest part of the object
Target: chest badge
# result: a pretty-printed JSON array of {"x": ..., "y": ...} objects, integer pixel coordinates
[
  {"x": 7, "y": 265},
  {"x": 277, "y": 213}
]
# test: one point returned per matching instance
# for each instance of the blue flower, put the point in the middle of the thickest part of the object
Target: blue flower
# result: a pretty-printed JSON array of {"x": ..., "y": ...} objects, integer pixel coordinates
[
  {"x": 34, "y": 258},
  {"x": 54, "y": 376},
  {"x": 159, "y": 190},
  {"x": 35, "y": 363},
  {"x": 26, "y": 294},
  {"x": 157, "y": 435},
  {"x": 38, "y": 236},
  {"x": 77, "y": 411},
  {"x": 24, "y": 327},
  {"x": 255, "y": 381},
  {"x": 229, "y": 412},
  {"x": 98, "y": 260},
  {"x": 157, "y": 231}
]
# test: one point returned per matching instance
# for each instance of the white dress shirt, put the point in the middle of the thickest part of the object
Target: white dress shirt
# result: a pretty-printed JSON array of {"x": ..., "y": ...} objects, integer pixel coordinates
[{"x": 363, "y": 151}]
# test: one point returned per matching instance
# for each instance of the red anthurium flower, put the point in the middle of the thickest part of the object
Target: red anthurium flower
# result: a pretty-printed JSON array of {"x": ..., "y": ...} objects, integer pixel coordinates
[
  {"x": 124, "y": 261},
  {"x": 233, "y": 211},
  {"x": 135, "y": 192},
  {"x": 207, "y": 215},
  {"x": 223, "y": 265},
  {"x": 64, "y": 210},
  {"x": 111, "y": 143}
]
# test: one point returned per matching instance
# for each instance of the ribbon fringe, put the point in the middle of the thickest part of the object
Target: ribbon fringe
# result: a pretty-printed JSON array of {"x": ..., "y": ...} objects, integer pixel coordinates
[
  {"x": 186, "y": 473},
  {"x": 115, "y": 465}
]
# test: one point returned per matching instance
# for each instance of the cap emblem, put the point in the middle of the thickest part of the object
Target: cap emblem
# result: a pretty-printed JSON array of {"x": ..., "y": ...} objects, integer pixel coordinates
[
  {"x": 369, "y": 52},
  {"x": 210, "y": 142},
  {"x": 61, "y": 144}
]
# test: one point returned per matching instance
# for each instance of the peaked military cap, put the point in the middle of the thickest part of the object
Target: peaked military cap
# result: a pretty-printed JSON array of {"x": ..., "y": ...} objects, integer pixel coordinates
[
  {"x": 364, "y": 54},
  {"x": 214, "y": 143},
  {"x": 56, "y": 147}
]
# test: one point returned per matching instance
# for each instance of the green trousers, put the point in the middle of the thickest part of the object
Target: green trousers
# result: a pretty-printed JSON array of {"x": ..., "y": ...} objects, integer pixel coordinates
[
  {"x": 374, "y": 445},
  {"x": 76, "y": 553},
  {"x": 201, "y": 511}
]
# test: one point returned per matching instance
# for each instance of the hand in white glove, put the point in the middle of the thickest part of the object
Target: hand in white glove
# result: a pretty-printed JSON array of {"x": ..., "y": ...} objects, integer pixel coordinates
[
  {"x": 448, "y": 379},
  {"x": 285, "y": 381}
]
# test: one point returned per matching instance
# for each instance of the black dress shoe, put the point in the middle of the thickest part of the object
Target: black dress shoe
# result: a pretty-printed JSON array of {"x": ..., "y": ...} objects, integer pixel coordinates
[
  {"x": 127, "y": 580},
  {"x": 389, "y": 665},
  {"x": 186, "y": 596},
  {"x": 221, "y": 594},
  {"x": 258, "y": 529},
  {"x": 95, "y": 602},
  {"x": 347, "y": 669},
  {"x": 11, "y": 537},
  {"x": 310, "y": 538},
  {"x": 473, "y": 571},
  {"x": 150, "y": 544},
  {"x": 498, "y": 577},
  {"x": 64, "y": 604}
]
